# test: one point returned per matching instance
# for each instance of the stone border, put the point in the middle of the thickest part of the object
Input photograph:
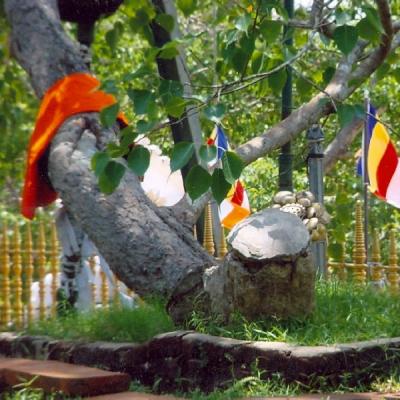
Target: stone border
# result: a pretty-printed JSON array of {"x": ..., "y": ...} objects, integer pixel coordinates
[{"x": 185, "y": 359}]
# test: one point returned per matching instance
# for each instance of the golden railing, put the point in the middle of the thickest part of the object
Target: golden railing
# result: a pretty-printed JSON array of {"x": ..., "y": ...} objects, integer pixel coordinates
[
  {"x": 358, "y": 270},
  {"x": 25, "y": 259}
]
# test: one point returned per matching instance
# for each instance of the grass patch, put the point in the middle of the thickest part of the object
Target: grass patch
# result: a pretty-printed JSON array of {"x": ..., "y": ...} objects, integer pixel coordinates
[
  {"x": 114, "y": 324},
  {"x": 344, "y": 313}
]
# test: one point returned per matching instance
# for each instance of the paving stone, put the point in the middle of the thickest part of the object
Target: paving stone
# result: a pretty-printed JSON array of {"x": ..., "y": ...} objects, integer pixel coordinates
[
  {"x": 73, "y": 380},
  {"x": 133, "y": 396}
]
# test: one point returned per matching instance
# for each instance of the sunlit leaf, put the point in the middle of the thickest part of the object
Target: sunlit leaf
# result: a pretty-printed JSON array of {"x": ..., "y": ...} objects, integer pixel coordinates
[
  {"x": 208, "y": 153},
  {"x": 99, "y": 162},
  {"x": 139, "y": 160},
  {"x": 111, "y": 176},
  {"x": 166, "y": 21},
  {"x": 175, "y": 106},
  {"x": 232, "y": 166},
  {"x": 197, "y": 182},
  {"x": 345, "y": 37},
  {"x": 219, "y": 185},
  {"x": 108, "y": 115},
  {"x": 181, "y": 155}
]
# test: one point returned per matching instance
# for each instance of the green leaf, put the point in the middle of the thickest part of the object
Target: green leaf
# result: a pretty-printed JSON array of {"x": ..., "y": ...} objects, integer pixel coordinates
[
  {"x": 257, "y": 61},
  {"x": 168, "y": 89},
  {"x": 271, "y": 30},
  {"x": 277, "y": 80},
  {"x": 115, "y": 151},
  {"x": 328, "y": 74},
  {"x": 181, "y": 155},
  {"x": 242, "y": 23},
  {"x": 215, "y": 112},
  {"x": 208, "y": 152},
  {"x": 187, "y": 6},
  {"x": 367, "y": 31},
  {"x": 144, "y": 126},
  {"x": 239, "y": 60},
  {"x": 373, "y": 18},
  {"x": 139, "y": 160},
  {"x": 232, "y": 166},
  {"x": 197, "y": 182},
  {"x": 345, "y": 37},
  {"x": 99, "y": 161},
  {"x": 247, "y": 44},
  {"x": 111, "y": 177},
  {"x": 347, "y": 112},
  {"x": 382, "y": 71},
  {"x": 169, "y": 51},
  {"x": 175, "y": 106},
  {"x": 142, "y": 100},
  {"x": 219, "y": 186},
  {"x": 108, "y": 115},
  {"x": 303, "y": 87},
  {"x": 166, "y": 21},
  {"x": 112, "y": 37},
  {"x": 396, "y": 74},
  {"x": 128, "y": 136}
]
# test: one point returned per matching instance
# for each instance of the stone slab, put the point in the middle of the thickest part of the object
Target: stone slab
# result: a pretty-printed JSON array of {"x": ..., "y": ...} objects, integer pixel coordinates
[
  {"x": 133, "y": 396},
  {"x": 72, "y": 380}
]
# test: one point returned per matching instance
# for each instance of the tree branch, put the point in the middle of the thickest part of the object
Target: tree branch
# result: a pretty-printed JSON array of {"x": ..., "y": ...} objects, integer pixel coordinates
[
  {"x": 339, "y": 146},
  {"x": 338, "y": 89},
  {"x": 45, "y": 61},
  {"x": 369, "y": 65}
]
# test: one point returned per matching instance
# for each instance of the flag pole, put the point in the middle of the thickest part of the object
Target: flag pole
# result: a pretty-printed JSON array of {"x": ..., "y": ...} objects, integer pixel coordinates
[{"x": 366, "y": 179}]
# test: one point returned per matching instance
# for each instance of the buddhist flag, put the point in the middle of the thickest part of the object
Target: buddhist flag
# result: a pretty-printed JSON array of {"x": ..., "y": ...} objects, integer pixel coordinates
[
  {"x": 383, "y": 162},
  {"x": 236, "y": 205}
]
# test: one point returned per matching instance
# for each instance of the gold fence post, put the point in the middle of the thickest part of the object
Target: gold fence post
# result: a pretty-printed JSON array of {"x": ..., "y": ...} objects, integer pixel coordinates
[
  {"x": 377, "y": 268},
  {"x": 29, "y": 272},
  {"x": 359, "y": 256},
  {"x": 17, "y": 275},
  {"x": 116, "y": 299},
  {"x": 222, "y": 245},
  {"x": 55, "y": 267},
  {"x": 92, "y": 266},
  {"x": 208, "y": 242},
  {"x": 42, "y": 269},
  {"x": 104, "y": 289},
  {"x": 5, "y": 291},
  {"x": 392, "y": 270}
]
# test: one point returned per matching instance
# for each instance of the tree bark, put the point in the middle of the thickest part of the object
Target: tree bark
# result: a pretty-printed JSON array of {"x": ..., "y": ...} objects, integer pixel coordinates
[{"x": 150, "y": 248}]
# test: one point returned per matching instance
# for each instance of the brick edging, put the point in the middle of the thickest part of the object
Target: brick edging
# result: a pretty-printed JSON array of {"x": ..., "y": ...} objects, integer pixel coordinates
[{"x": 186, "y": 359}]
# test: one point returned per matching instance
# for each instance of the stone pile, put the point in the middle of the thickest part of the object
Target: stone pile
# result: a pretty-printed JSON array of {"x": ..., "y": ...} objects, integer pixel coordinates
[{"x": 303, "y": 204}]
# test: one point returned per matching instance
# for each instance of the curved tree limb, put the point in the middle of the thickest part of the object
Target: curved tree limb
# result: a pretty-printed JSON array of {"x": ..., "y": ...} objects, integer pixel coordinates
[{"x": 337, "y": 89}]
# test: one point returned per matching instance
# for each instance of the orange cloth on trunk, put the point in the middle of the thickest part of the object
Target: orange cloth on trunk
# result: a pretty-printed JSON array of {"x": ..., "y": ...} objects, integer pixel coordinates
[{"x": 73, "y": 94}]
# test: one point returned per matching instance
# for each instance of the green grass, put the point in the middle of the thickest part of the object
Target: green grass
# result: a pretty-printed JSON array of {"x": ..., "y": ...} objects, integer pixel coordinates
[
  {"x": 343, "y": 313},
  {"x": 112, "y": 324}
]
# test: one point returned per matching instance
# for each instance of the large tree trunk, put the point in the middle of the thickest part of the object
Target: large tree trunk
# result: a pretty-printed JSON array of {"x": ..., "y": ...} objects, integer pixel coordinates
[{"x": 150, "y": 248}]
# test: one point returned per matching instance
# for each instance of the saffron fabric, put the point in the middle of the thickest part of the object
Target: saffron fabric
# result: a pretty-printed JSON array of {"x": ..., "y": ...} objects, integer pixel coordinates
[
  {"x": 383, "y": 163},
  {"x": 235, "y": 206},
  {"x": 73, "y": 94}
]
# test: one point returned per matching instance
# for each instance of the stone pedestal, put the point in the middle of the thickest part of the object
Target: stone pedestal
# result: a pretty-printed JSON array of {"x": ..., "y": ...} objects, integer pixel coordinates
[{"x": 268, "y": 270}]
